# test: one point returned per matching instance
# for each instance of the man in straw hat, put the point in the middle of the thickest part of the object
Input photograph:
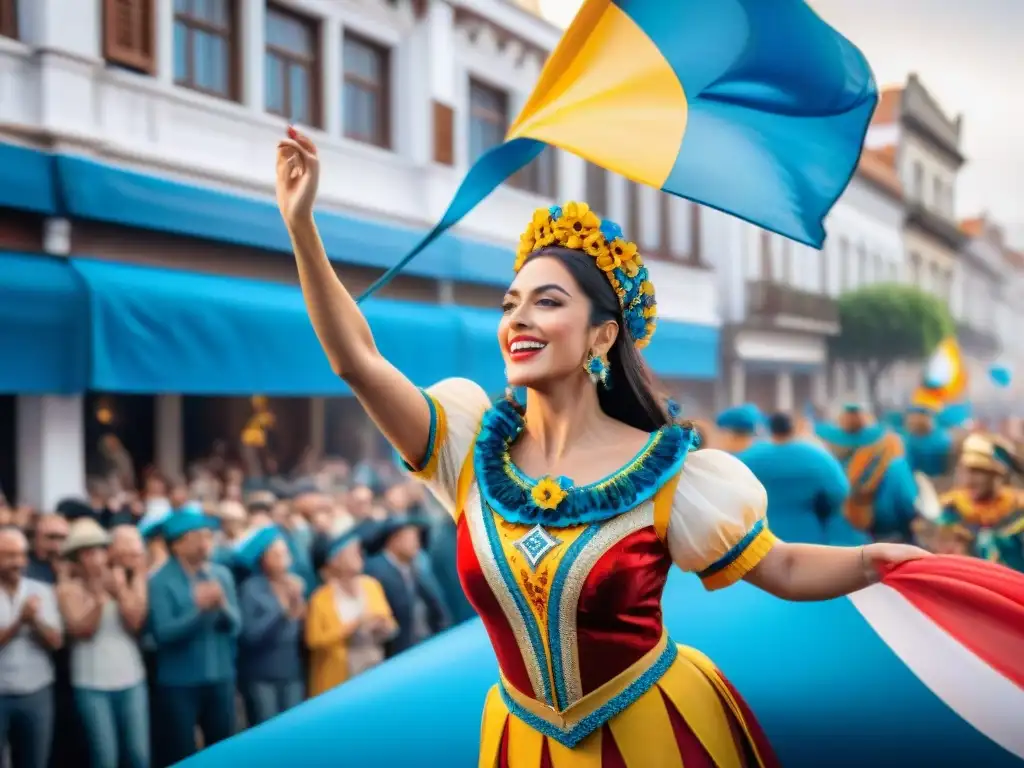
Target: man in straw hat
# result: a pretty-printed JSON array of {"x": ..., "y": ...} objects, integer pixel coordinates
[
  {"x": 104, "y": 611},
  {"x": 987, "y": 511}
]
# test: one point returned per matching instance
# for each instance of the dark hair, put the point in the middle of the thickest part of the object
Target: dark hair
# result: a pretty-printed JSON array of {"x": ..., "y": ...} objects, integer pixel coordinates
[
  {"x": 631, "y": 397},
  {"x": 780, "y": 425}
]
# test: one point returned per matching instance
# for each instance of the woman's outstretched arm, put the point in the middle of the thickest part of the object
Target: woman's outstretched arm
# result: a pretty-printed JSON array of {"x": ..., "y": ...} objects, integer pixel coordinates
[
  {"x": 392, "y": 401},
  {"x": 812, "y": 572}
]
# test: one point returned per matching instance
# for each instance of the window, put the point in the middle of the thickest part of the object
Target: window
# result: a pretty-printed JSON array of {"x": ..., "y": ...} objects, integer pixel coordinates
[
  {"x": 488, "y": 118},
  {"x": 915, "y": 269},
  {"x": 938, "y": 195},
  {"x": 787, "y": 273},
  {"x": 540, "y": 176},
  {"x": 9, "y": 18},
  {"x": 291, "y": 67},
  {"x": 596, "y": 185},
  {"x": 367, "y": 93},
  {"x": 767, "y": 271},
  {"x": 696, "y": 254},
  {"x": 129, "y": 32},
  {"x": 826, "y": 269},
  {"x": 488, "y": 122},
  {"x": 631, "y": 229},
  {"x": 918, "y": 188},
  {"x": 204, "y": 46},
  {"x": 845, "y": 283}
]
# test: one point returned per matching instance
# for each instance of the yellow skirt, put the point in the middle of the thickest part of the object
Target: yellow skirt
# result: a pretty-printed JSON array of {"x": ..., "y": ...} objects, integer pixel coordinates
[{"x": 692, "y": 716}]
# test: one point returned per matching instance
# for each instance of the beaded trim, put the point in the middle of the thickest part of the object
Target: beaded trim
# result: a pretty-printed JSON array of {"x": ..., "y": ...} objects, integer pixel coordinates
[{"x": 574, "y": 735}]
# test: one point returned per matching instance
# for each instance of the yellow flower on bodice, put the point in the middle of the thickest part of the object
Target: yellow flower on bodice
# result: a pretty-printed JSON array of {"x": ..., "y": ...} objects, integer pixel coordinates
[{"x": 547, "y": 493}]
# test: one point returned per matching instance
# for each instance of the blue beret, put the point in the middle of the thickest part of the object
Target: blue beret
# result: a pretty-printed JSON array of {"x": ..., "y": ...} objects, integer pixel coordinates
[
  {"x": 151, "y": 525},
  {"x": 744, "y": 419},
  {"x": 251, "y": 547},
  {"x": 185, "y": 520}
]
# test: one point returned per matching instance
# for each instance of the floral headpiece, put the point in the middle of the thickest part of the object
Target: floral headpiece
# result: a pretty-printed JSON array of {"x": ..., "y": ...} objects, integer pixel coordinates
[{"x": 577, "y": 227}]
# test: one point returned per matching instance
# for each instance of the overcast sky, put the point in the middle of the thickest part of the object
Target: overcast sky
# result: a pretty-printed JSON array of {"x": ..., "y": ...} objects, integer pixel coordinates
[{"x": 970, "y": 55}]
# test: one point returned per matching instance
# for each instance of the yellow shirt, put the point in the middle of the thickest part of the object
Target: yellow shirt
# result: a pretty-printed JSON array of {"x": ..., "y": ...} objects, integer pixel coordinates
[{"x": 327, "y": 635}]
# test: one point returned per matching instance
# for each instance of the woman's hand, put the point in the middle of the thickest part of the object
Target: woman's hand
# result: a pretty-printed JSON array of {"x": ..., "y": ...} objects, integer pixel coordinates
[
  {"x": 882, "y": 556},
  {"x": 298, "y": 176}
]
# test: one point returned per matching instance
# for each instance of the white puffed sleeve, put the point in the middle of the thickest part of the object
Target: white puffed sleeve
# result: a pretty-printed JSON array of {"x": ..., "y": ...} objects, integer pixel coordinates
[
  {"x": 456, "y": 408},
  {"x": 717, "y": 527}
]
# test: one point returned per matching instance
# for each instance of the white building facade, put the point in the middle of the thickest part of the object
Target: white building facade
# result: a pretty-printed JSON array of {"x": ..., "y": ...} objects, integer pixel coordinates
[
  {"x": 779, "y": 297},
  {"x": 986, "y": 306},
  {"x": 165, "y": 103},
  {"x": 924, "y": 143}
]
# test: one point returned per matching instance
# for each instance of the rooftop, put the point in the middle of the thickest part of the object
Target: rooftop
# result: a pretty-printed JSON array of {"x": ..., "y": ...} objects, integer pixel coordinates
[
  {"x": 879, "y": 166},
  {"x": 887, "y": 111}
]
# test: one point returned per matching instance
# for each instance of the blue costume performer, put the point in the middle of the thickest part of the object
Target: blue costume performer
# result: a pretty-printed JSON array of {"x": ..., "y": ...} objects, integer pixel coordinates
[
  {"x": 807, "y": 487},
  {"x": 882, "y": 487},
  {"x": 931, "y": 448}
]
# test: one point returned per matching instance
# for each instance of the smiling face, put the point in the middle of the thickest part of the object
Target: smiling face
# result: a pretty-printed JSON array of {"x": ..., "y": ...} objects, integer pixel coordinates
[{"x": 545, "y": 332}]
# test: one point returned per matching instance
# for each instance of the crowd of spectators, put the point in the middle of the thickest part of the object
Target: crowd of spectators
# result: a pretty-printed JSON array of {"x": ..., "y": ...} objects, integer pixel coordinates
[{"x": 137, "y": 626}]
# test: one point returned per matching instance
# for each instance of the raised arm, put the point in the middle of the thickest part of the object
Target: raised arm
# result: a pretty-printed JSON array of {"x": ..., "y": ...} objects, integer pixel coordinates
[{"x": 392, "y": 401}]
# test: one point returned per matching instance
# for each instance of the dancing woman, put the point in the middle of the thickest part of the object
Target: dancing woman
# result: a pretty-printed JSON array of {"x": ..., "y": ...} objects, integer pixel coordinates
[{"x": 567, "y": 574}]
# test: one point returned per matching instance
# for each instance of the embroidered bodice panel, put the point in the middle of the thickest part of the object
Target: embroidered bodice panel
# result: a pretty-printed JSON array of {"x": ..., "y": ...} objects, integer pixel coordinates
[{"x": 566, "y": 609}]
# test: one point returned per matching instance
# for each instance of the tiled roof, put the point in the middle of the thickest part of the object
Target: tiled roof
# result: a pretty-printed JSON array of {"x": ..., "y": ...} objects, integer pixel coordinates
[
  {"x": 888, "y": 109},
  {"x": 879, "y": 166},
  {"x": 973, "y": 227}
]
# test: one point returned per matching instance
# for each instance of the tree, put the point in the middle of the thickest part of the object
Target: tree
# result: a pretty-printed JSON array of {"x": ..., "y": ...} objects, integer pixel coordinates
[{"x": 888, "y": 323}]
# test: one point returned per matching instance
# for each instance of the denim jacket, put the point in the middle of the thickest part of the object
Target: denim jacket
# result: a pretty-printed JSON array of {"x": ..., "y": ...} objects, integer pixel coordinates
[{"x": 193, "y": 647}]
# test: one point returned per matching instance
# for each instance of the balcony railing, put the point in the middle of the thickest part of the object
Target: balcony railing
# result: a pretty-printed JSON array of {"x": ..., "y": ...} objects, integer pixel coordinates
[
  {"x": 935, "y": 224},
  {"x": 780, "y": 305}
]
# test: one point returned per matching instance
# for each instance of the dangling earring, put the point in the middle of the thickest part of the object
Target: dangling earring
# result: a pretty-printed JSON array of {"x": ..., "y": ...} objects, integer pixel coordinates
[{"x": 597, "y": 369}]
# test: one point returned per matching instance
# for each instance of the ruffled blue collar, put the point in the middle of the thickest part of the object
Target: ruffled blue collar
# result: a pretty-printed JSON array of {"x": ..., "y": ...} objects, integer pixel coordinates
[{"x": 558, "y": 502}]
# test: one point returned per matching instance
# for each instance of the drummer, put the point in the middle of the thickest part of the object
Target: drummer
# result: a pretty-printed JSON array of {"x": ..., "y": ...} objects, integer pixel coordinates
[{"x": 987, "y": 512}]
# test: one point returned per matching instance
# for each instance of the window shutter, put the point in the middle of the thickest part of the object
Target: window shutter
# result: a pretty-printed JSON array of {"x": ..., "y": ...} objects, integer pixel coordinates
[
  {"x": 129, "y": 34},
  {"x": 444, "y": 134},
  {"x": 9, "y": 18}
]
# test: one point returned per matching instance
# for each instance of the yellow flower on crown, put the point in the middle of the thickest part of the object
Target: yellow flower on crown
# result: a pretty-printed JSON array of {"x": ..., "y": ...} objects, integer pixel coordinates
[
  {"x": 624, "y": 251},
  {"x": 595, "y": 245},
  {"x": 576, "y": 224},
  {"x": 547, "y": 493}
]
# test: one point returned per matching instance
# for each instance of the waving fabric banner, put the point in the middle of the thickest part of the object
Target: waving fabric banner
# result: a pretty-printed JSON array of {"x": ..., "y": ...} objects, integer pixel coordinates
[{"x": 758, "y": 109}]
